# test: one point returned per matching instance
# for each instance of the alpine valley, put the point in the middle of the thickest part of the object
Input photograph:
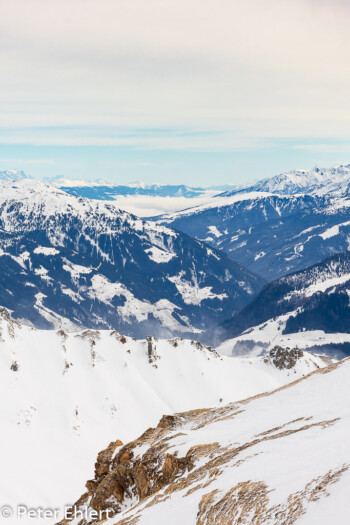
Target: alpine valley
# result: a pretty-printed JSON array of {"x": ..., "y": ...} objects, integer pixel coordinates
[{"x": 73, "y": 262}]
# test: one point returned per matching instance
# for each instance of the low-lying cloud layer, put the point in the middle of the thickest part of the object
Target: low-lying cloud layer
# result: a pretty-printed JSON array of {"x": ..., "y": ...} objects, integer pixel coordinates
[{"x": 148, "y": 206}]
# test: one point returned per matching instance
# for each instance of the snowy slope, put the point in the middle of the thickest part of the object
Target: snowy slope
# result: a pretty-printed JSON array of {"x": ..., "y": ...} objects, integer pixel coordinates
[
  {"x": 74, "y": 262},
  {"x": 277, "y": 458},
  {"x": 64, "y": 395},
  {"x": 259, "y": 340},
  {"x": 215, "y": 203},
  {"x": 315, "y": 299}
]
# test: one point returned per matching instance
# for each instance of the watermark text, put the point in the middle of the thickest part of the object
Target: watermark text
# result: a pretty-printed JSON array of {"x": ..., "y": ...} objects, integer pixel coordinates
[{"x": 69, "y": 513}]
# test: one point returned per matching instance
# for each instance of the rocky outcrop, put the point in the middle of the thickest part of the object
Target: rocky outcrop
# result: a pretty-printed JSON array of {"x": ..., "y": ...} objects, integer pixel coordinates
[
  {"x": 7, "y": 322},
  {"x": 284, "y": 358},
  {"x": 125, "y": 474},
  {"x": 152, "y": 350},
  {"x": 202, "y": 460}
]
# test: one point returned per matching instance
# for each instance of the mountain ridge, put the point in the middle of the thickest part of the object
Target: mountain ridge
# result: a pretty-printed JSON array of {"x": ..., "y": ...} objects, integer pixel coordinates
[
  {"x": 272, "y": 235},
  {"x": 66, "y": 393},
  {"x": 13, "y": 175},
  {"x": 312, "y": 300},
  {"x": 74, "y": 262},
  {"x": 239, "y": 464},
  {"x": 316, "y": 181}
]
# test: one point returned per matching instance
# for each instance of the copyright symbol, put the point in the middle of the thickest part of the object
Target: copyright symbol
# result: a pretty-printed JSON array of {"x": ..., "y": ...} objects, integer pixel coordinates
[{"x": 6, "y": 512}]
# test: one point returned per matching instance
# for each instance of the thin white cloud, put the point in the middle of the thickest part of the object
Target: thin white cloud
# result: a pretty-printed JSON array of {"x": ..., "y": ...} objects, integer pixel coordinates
[
  {"x": 324, "y": 148},
  {"x": 163, "y": 140},
  {"x": 19, "y": 161},
  {"x": 246, "y": 68}
]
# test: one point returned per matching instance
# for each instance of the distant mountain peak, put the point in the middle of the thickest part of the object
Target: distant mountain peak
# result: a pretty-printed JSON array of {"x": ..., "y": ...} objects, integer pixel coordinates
[
  {"x": 315, "y": 181},
  {"x": 61, "y": 181},
  {"x": 13, "y": 175}
]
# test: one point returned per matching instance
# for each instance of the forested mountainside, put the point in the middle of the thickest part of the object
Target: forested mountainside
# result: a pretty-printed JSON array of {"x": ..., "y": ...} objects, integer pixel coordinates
[
  {"x": 271, "y": 235},
  {"x": 313, "y": 299},
  {"x": 71, "y": 262}
]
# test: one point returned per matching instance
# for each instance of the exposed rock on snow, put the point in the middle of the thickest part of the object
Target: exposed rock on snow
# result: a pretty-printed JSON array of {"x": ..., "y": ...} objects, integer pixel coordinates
[
  {"x": 259, "y": 340},
  {"x": 66, "y": 393},
  {"x": 284, "y": 358},
  {"x": 279, "y": 457}
]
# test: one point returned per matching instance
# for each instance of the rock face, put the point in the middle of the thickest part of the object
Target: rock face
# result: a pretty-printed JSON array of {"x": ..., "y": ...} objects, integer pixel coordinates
[
  {"x": 123, "y": 473},
  {"x": 238, "y": 464}
]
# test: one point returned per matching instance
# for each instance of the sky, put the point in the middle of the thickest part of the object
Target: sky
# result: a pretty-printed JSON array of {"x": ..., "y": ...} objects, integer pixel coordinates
[{"x": 187, "y": 91}]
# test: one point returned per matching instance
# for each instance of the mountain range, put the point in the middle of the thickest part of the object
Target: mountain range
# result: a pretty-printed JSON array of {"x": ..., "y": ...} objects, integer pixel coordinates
[
  {"x": 316, "y": 181},
  {"x": 270, "y": 234},
  {"x": 13, "y": 175},
  {"x": 109, "y": 192},
  {"x": 73, "y": 262}
]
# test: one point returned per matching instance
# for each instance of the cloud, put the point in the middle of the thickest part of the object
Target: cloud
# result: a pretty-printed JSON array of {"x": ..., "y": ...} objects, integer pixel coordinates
[
  {"x": 141, "y": 139},
  {"x": 325, "y": 148},
  {"x": 148, "y": 206},
  {"x": 19, "y": 161},
  {"x": 239, "y": 71}
]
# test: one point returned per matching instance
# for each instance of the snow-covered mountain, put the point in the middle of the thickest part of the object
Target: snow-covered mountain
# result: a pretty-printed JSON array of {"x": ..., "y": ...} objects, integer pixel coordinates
[
  {"x": 72, "y": 262},
  {"x": 277, "y": 458},
  {"x": 13, "y": 175},
  {"x": 316, "y": 181},
  {"x": 64, "y": 394},
  {"x": 271, "y": 235},
  {"x": 308, "y": 309}
]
